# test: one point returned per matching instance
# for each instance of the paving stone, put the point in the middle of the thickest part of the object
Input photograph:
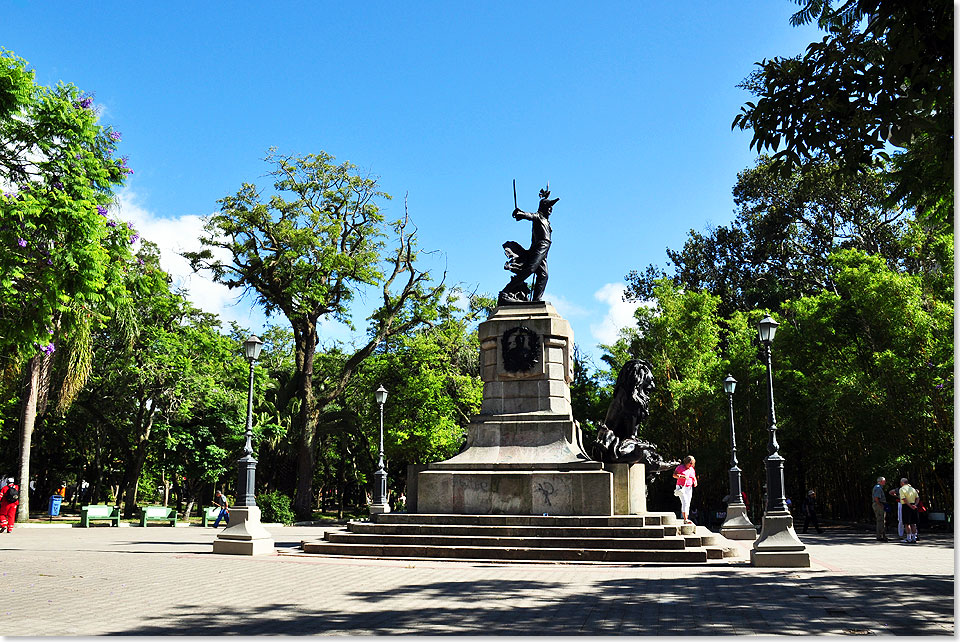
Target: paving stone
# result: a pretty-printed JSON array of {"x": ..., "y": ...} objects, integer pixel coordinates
[{"x": 167, "y": 582}]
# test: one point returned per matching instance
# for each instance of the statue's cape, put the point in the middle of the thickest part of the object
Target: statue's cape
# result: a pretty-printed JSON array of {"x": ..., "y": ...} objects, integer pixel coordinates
[{"x": 516, "y": 254}]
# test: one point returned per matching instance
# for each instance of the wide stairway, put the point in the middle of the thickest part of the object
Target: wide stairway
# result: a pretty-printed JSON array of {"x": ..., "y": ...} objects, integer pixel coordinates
[{"x": 650, "y": 538}]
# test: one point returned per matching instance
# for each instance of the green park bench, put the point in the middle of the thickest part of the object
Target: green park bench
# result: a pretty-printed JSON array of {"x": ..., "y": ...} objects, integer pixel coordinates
[
  {"x": 209, "y": 515},
  {"x": 158, "y": 514},
  {"x": 99, "y": 511}
]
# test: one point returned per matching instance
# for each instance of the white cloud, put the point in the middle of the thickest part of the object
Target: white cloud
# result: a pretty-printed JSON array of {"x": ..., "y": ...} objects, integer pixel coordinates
[
  {"x": 181, "y": 234},
  {"x": 566, "y": 307},
  {"x": 619, "y": 313}
]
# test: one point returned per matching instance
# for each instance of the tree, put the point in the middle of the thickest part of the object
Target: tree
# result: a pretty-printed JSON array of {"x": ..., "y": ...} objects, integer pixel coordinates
[
  {"x": 882, "y": 75},
  {"x": 778, "y": 245},
  {"x": 866, "y": 374},
  {"x": 432, "y": 376},
  {"x": 304, "y": 252},
  {"x": 63, "y": 261},
  {"x": 680, "y": 335},
  {"x": 589, "y": 396},
  {"x": 168, "y": 391}
]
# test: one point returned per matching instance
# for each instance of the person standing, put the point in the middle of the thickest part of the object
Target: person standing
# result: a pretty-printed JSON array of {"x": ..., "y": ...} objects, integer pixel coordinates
[
  {"x": 908, "y": 503},
  {"x": 9, "y": 500},
  {"x": 895, "y": 493},
  {"x": 810, "y": 511},
  {"x": 686, "y": 478},
  {"x": 879, "y": 509},
  {"x": 221, "y": 501}
]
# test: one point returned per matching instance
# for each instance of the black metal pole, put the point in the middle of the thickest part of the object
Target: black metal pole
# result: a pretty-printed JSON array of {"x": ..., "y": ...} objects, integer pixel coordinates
[
  {"x": 247, "y": 465},
  {"x": 776, "y": 501},
  {"x": 735, "y": 489},
  {"x": 380, "y": 477}
]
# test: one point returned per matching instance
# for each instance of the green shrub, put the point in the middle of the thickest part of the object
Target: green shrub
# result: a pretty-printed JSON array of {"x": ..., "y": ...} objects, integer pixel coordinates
[{"x": 275, "y": 508}]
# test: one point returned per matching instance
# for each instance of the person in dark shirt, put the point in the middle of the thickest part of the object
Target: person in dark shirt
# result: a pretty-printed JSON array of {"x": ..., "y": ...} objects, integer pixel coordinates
[
  {"x": 221, "y": 501},
  {"x": 810, "y": 511}
]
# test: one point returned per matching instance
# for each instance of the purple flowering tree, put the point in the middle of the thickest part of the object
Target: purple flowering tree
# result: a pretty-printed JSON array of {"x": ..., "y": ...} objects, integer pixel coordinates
[{"x": 61, "y": 262}]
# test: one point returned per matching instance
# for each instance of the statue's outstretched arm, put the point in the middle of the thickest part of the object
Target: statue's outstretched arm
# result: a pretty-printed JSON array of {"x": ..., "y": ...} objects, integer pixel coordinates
[{"x": 520, "y": 214}]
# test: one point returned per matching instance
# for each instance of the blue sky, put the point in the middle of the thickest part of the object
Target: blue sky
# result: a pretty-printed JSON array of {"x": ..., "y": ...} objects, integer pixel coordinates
[{"x": 625, "y": 107}]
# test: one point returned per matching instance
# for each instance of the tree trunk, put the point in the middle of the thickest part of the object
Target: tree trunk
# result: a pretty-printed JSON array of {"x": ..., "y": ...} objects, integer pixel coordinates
[
  {"x": 131, "y": 477},
  {"x": 33, "y": 385},
  {"x": 305, "y": 335}
]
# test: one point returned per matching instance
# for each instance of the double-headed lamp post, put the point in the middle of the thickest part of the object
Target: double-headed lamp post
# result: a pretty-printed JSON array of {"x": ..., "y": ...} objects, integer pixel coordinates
[
  {"x": 778, "y": 544},
  {"x": 737, "y": 525},
  {"x": 380, "y": 504},
  {"x": 247, "y": 464}
]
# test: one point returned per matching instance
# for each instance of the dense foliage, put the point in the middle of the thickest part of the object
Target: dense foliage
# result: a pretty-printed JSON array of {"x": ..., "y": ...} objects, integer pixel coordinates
[
  {"x": 63, "y": 261},
  {"x": 849, "y": 247},
  {"x": 883, "y": 75}
]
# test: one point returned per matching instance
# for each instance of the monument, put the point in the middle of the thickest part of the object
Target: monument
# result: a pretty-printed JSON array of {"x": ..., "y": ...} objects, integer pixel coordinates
[
  {"x": 525, "y": 486},
  {"x": 524, "y": 452}
]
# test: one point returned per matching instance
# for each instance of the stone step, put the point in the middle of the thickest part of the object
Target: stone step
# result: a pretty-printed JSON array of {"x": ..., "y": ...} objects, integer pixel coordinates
[
  {"x": 474, "y": 541},
  {"x": 686, "y": 556},
  {"x": 515, "y": 531},
  {"x": 647, "y": 519}
]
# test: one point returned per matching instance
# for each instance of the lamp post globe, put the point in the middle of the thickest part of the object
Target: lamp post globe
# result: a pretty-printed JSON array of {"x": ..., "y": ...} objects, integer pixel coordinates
[{"x": 379, "y": 503}]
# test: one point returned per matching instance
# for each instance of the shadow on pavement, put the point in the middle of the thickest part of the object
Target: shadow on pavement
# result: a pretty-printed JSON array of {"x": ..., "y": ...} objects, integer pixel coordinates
[
  {"x": 701, "y": 604},
  {"x": 936, "y": 539}
]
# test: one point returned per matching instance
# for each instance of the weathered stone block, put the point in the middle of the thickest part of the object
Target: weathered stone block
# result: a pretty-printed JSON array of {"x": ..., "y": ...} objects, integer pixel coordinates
[{"x": 629, "y": 488}]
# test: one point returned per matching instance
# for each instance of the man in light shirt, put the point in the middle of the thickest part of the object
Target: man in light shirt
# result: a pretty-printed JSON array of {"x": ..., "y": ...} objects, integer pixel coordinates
[{"x": 908, "y": 500}]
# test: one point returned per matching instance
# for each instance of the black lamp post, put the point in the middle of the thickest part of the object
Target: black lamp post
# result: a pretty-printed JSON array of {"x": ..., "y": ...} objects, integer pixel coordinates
[
  {"x": 776, "y": 501},
  {"x": 380, "y": 504},
  {"x": 778, "y": 544},
  {"x": 729, "y": 385},
  {"x": 737, "y": 525},
  {"x": 247, "y": 464}
]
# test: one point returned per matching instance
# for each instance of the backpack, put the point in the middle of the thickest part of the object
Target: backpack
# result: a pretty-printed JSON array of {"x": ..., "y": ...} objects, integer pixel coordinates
[{"x": 12, "y": 494}]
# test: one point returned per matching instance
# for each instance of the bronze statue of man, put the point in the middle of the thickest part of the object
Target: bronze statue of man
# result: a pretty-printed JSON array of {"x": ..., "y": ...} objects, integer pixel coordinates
[{"x": 532, "y": 261}]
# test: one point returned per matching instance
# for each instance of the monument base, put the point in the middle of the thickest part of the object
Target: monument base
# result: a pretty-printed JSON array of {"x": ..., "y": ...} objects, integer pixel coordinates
[
  {"x": 379, "y": 509},
  {"x": 738, "y": 525},
  {"x": 246, "y": 536},
  {"x": 778, "y": 544},
  {"x": 525, "y": 453},
  {"x": 586, "y": 489}
]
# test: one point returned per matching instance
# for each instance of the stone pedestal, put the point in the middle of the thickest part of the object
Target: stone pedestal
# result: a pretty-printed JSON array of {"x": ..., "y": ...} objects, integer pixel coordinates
[
  {"x": 738, "y": 525},
  {"x": 629, "y": 488},
  {"x": 778, "y": 544},
  {"x": 524, "y": 452},
  {"x": 245, "y": 535}
]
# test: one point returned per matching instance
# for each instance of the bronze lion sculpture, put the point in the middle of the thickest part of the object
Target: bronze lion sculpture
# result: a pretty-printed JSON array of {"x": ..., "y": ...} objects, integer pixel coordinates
[{"x": 617, "y": 440}]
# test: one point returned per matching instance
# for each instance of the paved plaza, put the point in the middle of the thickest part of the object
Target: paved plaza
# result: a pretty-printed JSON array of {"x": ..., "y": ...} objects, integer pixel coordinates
[{"x": 161, "y": 580}]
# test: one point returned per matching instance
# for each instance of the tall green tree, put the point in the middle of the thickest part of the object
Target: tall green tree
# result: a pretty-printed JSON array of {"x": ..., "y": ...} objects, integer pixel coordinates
[
  {"x": 63, "y": 260},
  {"x": 681, "y": 334},
  {"x": 303, "y": 250},
  {"x": 866, "y": 374},
  {"x": 786, "y": 226},
  {"x": 882, "y": 75}
]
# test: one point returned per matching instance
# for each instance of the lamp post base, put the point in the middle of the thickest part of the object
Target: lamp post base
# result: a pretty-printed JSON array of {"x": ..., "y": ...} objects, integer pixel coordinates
[
  {"x": 379, "y": 509},
  {"x": 738, "y": 525},
  {"x": 778, "y": 544},
  {"x": 246, "y": 535}
]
